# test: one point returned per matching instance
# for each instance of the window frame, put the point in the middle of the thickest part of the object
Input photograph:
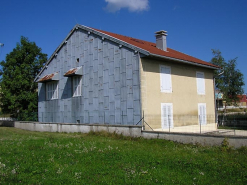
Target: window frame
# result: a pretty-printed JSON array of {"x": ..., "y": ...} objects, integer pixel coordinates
[
  {"x": 77, "y": 85},
  {"x": 167, "y": 77},
  {"x": 165, "y": 119},
  {"x": 51, "y": 90},
  {"x": 200, "y": 83}
]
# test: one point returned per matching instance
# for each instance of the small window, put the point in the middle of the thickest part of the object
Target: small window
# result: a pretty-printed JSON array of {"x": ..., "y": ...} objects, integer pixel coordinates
[
  {"x": 200, "y": 83},
  {"x": 52, "y": 90},
  {"x": 76, "y": 85},
  {"x": 165, "y": 79}
]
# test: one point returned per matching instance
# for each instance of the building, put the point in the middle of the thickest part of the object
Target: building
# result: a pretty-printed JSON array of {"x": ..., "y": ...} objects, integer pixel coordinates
[
  {"x": 220, "y": 104},
  {"x": 242, "y": 100},
  {"x": 96, "y": 76}
]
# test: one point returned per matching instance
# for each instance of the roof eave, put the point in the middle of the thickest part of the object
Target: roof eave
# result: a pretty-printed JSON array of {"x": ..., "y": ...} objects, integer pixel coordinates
[
  {"x": 103, "y": 35},
  {"x": 184, "y": 61}
]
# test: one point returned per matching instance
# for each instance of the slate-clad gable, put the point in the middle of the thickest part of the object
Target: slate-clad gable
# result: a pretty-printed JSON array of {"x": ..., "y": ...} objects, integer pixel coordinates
[{"x": 107, "y": 71}]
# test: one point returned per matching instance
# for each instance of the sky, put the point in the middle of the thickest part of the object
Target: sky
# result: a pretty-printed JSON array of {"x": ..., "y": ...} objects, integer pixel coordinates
[{"x": 194, "y": 27}]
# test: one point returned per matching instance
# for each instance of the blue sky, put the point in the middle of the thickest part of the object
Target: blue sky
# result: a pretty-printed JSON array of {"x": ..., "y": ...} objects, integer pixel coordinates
[{"x": 194, "y": 27}]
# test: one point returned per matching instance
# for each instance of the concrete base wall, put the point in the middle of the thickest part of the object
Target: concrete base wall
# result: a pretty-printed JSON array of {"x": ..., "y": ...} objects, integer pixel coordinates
[
  {"x": 126, "y": 130},
  {"x": 204, "y": 140},
  {"x": 7, "y": 123},
  {"x": 134, "y": 131}
]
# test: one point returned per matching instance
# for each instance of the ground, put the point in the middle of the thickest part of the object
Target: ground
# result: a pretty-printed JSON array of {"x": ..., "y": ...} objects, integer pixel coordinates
[{"x": 102, "y": 158}]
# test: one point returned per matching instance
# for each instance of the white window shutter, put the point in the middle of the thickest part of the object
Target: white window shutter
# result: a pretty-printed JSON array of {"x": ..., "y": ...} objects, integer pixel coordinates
[
  {"x": 202, "y": 115},
  {"x": 170, "y": 115},
  {"x": 200, "y": 82},
  {"x": 165, "y": 78},
  {"x": 76, "y": 85},
  {"x": 166, "y": 115}
]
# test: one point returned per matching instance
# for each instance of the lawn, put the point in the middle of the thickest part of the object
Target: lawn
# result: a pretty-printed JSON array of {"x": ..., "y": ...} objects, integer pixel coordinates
[{"x": 101, "y": 158}]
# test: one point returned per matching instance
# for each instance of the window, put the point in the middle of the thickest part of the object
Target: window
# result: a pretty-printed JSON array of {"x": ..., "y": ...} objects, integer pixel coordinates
[
  {"x": 52, "y": 90},
  {"x": 202, "y": 113},
  {"x": 76, "y": 85},
  {"x": 165, "y": 79},
  {"x": 166, "y": 115},
  {"x": 200, "y": 83}
]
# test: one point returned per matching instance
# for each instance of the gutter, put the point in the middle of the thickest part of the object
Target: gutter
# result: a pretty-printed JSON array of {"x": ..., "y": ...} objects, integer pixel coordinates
[{"x": 184, "y": 61}]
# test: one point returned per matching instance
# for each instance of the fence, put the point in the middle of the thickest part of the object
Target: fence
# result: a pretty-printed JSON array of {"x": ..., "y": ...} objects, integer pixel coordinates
[
  {"x": 221, "y": 125},
  {"x": 180, "y": 123},
  {"x": 238, "y": 121}
]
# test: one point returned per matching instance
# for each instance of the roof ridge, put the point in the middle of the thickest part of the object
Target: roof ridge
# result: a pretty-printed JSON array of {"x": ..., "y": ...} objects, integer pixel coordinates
[{"x": 103, "y": 31}]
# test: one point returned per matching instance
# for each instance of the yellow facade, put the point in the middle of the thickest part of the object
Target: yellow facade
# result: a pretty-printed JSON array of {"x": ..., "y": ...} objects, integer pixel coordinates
[{"x": 183, "y": 97}]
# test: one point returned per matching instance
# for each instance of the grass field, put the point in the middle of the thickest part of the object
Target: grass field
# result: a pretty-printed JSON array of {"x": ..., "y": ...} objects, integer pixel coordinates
[{"x": 102, "y": 158}]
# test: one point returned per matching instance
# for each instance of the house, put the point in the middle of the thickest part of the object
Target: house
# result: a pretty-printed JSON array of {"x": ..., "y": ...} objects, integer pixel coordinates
[
  {"x": 96, "y": 76},
  {"x": 220, "y": 104},
  {"x": 242, "y": 100}
]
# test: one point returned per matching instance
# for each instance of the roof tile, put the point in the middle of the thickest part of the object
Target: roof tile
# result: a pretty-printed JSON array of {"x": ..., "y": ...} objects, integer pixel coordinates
[{"x": 151, "y": 47}]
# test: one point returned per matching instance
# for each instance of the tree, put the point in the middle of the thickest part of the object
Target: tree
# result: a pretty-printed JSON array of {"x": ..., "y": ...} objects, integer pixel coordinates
[
  {"x": 19, "y": 95},
  {"x": 231, "y": 82}
]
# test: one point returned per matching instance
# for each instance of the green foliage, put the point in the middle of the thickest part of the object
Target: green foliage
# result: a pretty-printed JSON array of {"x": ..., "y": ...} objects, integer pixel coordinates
[
  {"x": 225, "y": 145},
  {"x": 18, "y": 89},
  {"x": 102, "y": 158},
  {"x": 231, "y": 82},
  {"x": 236, "y": 110}
]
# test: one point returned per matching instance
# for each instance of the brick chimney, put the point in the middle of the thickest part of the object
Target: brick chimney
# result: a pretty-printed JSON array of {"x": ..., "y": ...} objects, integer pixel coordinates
[{"x": 161, "y": 40}]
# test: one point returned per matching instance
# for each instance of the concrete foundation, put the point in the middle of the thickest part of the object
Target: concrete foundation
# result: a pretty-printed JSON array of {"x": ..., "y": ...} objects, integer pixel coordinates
[{"x": 135, "y": 131}]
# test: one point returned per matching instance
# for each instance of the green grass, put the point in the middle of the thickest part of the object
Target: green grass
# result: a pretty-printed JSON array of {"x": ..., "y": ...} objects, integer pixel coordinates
[{"x": 102, "y": 158}]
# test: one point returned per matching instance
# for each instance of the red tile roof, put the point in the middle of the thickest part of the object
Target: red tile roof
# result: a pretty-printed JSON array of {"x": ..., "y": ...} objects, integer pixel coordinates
[
  {"x": 242, "y": 98},
  {"x": 47, "y": 77},
  {"x": 152, "y": 49}
]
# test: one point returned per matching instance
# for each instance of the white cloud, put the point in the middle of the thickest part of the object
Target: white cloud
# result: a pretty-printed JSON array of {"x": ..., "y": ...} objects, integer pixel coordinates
[{"x": 132, "y": 5}]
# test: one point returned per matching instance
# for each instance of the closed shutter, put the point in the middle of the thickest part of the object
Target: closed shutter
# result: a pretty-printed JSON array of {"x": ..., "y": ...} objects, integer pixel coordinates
[
  {"x": 166, "y": 115},
  {"x": 55, "y": 90},
  {"x": 77, "y": 86},
  {"x": 200, "y": 83},
  {"x": 202, "y": 113},
  {"x": 165, "y": 79}
]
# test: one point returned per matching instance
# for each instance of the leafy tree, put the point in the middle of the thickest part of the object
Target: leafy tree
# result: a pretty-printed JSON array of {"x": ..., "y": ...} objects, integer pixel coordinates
[
  {"x": 19, "y": 95},
  {"x": 231, "y": 82}
]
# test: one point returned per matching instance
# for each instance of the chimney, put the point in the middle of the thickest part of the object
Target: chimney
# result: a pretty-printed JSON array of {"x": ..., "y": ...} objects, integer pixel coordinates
[{"x": 161, "y": 40}]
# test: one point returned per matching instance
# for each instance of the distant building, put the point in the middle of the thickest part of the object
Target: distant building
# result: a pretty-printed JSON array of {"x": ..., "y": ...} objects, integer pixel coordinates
[
  {"x": 242, "y": 100},
  {"x": 220, "y": 104}
]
